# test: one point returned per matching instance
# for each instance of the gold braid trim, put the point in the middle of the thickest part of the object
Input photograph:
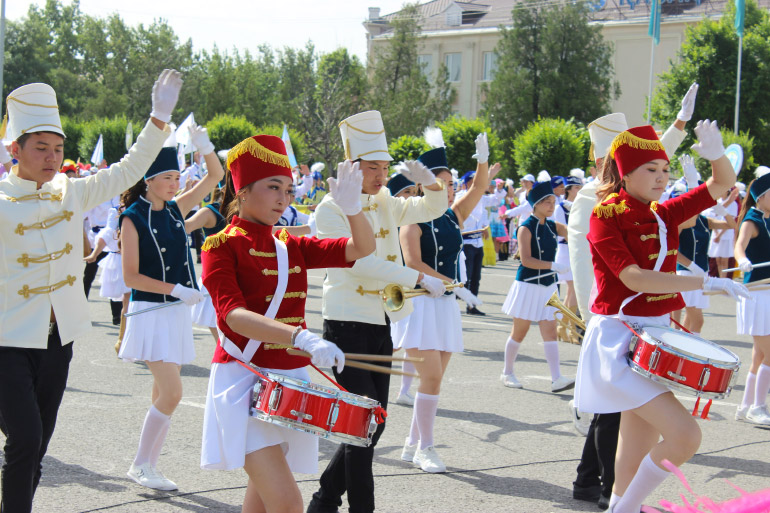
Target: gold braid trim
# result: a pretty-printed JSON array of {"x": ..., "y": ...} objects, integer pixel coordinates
[
  {"x": 25, "y": 259},
  {"x": 213, "y": 241},
  {"x": 289, "y": 295},
  {"x": 650, "y": 299},
  {"x": 608, "y": 210},
  {"x": 26, "y": 291},
  {"x": 654, "y": 206},
  {"x": 265, "y": 254},
  {"x": 290, "y": 320},
  {"x": 274, "y": 272},
  {"x": 650, "y": 236},
  {"x": 66, "y": 215},
  {"x": 653, "y": 256},
  {"x": 634, "y": 141},
  {"x": 258, "y": 151},
  {"x": 47, "y": 196},
  {"x": 283, "y": 235}
]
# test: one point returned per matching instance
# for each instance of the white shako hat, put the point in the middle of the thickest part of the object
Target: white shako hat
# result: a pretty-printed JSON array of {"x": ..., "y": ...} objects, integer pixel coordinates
[
  {"x": 602, "y": 131},
  {"x": 363, "y": 136},
  {"x": 31, "y": 108}
]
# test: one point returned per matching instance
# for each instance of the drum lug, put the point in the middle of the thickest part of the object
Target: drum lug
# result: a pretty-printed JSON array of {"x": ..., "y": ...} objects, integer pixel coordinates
[
  {"x": 704, "y": 378},
  {"x": 301, "y": 415},
  {"x": 257, "y": 392},
  {"x": 333, "y": 414},
  {"x": 654, "y": 357},
  {"x": 275, "y": 398}
]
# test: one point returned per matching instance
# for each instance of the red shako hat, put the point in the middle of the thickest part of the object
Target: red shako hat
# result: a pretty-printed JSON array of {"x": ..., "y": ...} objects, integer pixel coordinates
[
  {"x": 258, "y": 157},
  {"x": 636, "y": 146}
]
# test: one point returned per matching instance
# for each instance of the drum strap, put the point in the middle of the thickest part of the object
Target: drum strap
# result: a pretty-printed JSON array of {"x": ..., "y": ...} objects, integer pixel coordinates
[{"x": 662, "y": 231}]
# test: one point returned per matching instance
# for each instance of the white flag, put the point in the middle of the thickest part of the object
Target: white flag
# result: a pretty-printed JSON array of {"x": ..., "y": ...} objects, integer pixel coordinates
[
  {"x": 183, "y": 134},
  {"x": 98, "y": 154}
]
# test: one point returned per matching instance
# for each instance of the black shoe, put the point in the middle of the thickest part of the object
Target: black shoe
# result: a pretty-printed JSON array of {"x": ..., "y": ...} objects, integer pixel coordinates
[
  {"x": 116, "y": 321},
  {"x": 603, "y": 503},
  {"x": 474, "y": 311},
  {"x": 586, "y": 493}
]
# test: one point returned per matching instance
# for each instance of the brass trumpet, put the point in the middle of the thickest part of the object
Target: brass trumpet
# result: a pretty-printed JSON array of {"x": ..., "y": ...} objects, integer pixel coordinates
[
  {"x": 569, "y": 314},
  {"x": 394, "y": 296}
]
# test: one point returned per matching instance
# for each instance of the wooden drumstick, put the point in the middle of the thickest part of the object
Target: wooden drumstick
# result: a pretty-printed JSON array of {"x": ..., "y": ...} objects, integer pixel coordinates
[
  {"x": 754, "y": 285},
  {"x": 360, "y": 365},
  {"x": 381, "y": 358}
]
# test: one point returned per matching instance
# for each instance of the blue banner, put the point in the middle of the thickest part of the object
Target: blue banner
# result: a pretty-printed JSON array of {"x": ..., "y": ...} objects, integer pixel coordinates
[
  {"x": 740, "y": 15},
  {"x": 654, "y": 30}
]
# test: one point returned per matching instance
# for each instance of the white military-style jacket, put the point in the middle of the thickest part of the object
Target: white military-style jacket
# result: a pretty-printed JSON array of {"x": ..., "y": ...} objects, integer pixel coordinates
[
  {"x": 41, "y": 245},
  {"x": 343, "y": 296}
]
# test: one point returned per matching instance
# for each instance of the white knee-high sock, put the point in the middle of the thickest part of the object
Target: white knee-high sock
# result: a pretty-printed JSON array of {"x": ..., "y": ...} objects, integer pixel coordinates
[
  {"x": 763, "y": 385},
  {"x": 614, "y": 498},
  {"x": 155, "y": 423},
  {"x": 511, "y": 350},
  {"x": 748, "y": 391},
  {"x": 406, "y": 381},
  {"x": 155, "y": 452},
  {"x": 425, "y": 407},
  {"x": 414, "y": 430},
  {"x": 552, "y": 357},
  {"x": 647, "y": 478}
]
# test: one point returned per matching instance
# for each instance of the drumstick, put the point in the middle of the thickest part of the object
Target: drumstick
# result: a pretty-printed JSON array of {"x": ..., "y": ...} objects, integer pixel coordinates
[
  {"x": 361, "y": 365},
  {"x": 755, "y": 266},
  {"x": 381, "y": 358},
  {"x": 540, "y": 276},
  {"x": 752, "y": 289}
]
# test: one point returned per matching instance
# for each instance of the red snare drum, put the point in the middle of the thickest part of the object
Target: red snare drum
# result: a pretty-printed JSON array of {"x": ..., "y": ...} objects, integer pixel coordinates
[
  {"x": 323, "y": 411},
  {"x": 683, "y": 362}
]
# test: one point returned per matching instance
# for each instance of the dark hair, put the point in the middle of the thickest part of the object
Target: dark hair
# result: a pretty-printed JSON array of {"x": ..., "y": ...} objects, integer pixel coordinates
[
  {"x": 131, "y": 196},
  {"x": 747, "y": 203},
  {"x": 22, "y": 139},
  {"x": 609, "y": 179},
  {"x": 229, "y": 206}
]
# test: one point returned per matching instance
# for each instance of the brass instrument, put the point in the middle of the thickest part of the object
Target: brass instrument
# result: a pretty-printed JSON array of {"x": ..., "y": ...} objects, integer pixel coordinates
[
  {"x": 575, "y": 336},
  {"x": 394, "y": 295}
]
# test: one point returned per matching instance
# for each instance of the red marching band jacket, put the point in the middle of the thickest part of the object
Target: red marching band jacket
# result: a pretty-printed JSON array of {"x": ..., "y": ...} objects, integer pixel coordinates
[{"x": 240, "y": 270}]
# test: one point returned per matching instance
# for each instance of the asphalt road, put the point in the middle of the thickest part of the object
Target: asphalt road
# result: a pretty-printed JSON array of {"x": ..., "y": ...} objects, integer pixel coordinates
[{"x": 505, "y": 450}]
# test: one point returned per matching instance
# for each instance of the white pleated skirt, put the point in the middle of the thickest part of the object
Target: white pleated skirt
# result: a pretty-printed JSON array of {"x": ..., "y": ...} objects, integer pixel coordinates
[
  {"x": 113, "y": 286},
  {"x": 604, "y": 382},
  {"x": 753, "y": 317},
  {"x": 435, "y": 324},
  {"x": 163, "y": 335},
  {"x": 203, "y": 314},
  {"x": 694, "y": 298},
  {"x": 725, "y": 247},
  {"x": 562, "y": 257},
  {"x": 230, "y": 433},
  {"x": 527, "y": 301}
]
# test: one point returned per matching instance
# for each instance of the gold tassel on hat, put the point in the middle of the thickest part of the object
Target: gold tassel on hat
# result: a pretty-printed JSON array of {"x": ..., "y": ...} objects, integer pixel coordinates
[
  {"x": 258, "y": 151},
  {"x": 634, "y": 141}
]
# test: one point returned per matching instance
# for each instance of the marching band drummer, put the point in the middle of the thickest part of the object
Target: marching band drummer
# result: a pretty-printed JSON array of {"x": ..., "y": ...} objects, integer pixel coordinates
[
  {"x": 753, "y": 247},
  {"x": 41, "y": 234},
  {"x": 355, "y": 320},
  {"x": 258, "y": 284},
  {"x": 630, "y": 236},
  {"x": 158, "y": 267}
]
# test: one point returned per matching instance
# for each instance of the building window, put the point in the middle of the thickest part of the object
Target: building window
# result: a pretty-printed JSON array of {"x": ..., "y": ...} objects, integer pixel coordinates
[
  {"x": 425, "y": 62},
  {"x": 453, "y": 62},
  {"x": 490, "y": 66}
]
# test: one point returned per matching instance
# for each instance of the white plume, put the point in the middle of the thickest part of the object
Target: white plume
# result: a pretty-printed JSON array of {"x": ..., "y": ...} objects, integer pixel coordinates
[
  {"x": 434, "y": 137},
  {"x": 761, "y": 171},
  {"x": 455, "y": 175},
  {"x": 543, "y": 176}
]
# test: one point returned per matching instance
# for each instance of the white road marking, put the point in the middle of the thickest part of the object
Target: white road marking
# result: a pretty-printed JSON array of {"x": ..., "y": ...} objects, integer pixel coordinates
[{"x": 194, "y": 405}]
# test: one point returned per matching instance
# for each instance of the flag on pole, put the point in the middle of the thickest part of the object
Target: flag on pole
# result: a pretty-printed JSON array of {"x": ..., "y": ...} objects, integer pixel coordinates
[
  {"x": 289, "y": 149},
  {"x": 183, "y": 134},
  {"x": 129, "y": 136},
  {"x": 98, "y": 154},
  {"x": 654, "y": 30},
  {"x": 740, "y": 15}
]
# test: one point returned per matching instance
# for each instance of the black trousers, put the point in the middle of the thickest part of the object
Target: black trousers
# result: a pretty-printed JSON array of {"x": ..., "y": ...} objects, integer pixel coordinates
[
  {"x": 474, "y": 257},
  {"x": 350, "y": 469},
  {"x": 32, "y": 383},
  {"x": 89, "y": 273},
  {"x": 597, "y": 465}
]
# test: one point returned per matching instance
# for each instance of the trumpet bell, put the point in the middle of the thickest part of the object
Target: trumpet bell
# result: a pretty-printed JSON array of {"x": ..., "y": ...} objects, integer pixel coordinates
[
  {"x": 566, "y": 313},
  {"x": 393, "y": 296}
]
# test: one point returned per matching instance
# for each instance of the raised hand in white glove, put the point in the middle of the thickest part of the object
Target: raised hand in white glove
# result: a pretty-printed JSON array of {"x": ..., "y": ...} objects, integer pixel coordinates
[
  {"x": 322, "y": 352},
  {"x": 695, "y": 269},
  {"x": 415, "y": 171},
  {"x": 559, "y": 267},
  {"x": 434, "y": 286},
  {"x": 691, "y": 174},
  {"x": 732, "y": 288},
  {"x": 5, "y": 157},
  {"x": 719, "y": 210},
  {"x": 165, "y": 94},
  {"x": 467, "y": 296},
  {"x": 745, "y": 265},
  {"x": 189, "y": 295},
  {"x": 688, "y": 103},
  {"x": 200, "y": 139},
  {"x": 346, "y": 188},
  {"x": 482, "y": 148},
  {"x": 508, "y": 182},
  {"x": 709, "y": 145}
]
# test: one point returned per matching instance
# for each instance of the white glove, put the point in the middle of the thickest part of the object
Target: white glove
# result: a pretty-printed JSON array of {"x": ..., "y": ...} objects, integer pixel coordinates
[
  {"x": 189, "y": 295},
  {"x": 312, "y": 226},
  {"x": 434, "y": 286},
  {"x": 745, "y": 265},
  {"x": 688, "y": 103},
  {"x": 322, "y": 352},
  {"x": 719, "y": 210},
  {"x": 732, "y": 288},
  {"x": 467, "y": 296},
  {"x": 5, "y": 157},
  {"x": 691, "y": 174},
  {"x": 482, "y": 148},
  {"x": 346, "y": 188},
  {"x": 695, "y": 269},
  {"x": 416, "y": 172},
  {"x": 508, "y": 182},
  {"x": 709, "y": 145},
  {"x": 165, "y": 94},
  {"x": 559, "y": 268},
  {"x": 200, "y": 139}
]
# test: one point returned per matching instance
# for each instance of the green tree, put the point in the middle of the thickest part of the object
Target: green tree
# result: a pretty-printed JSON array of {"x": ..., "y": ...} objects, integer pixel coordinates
[
  {"x": 297, "y": 140},
  {"x": 407, "y": 147},
  {"x": 555, "y": 145},
  {"x": 551, "y": 63},
  {"x": 226, "y": 131},
  {"x": 460, "y": 138},
  {"x": 113, "y": 130},
  {"x": 709, "y": 56}
]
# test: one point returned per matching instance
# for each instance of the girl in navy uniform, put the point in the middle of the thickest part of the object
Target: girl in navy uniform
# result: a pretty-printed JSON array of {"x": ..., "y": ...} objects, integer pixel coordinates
[
  {"x": 753, "y": 247},
  {"x": 535, "y": 283},
  {"x": 561, "y": 215},
  {"x": 433, "y": 331},
  {"x": 158, "y": 267}
]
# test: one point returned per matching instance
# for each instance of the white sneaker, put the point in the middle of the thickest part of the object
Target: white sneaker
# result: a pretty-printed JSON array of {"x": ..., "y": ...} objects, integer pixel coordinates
[
  {"x": 740, "y": 413},
  {"x": 407, "y": 454},
  {"x": 167, "y": 483},
  {"x": 580, "y": 420},
  {"x": 759, "y": 415},
  {"x": 405, "y": 399},
  {"x": 145, "y": 475},
  {"x": 510, "y": 381},
  {"x": 428, "y": 460},
  {"x": 562, "y": 384}
]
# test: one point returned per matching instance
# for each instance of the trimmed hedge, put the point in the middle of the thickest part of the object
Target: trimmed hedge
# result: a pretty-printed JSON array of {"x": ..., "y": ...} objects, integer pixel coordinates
[{"x": 555, "y": 145}]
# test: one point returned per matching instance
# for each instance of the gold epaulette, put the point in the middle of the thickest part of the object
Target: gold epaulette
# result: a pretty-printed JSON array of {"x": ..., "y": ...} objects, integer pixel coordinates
[
  {"x": 213, "y": 241},
  {"x": 608, "y": 209},
  {"x": 283, "y": 235}
]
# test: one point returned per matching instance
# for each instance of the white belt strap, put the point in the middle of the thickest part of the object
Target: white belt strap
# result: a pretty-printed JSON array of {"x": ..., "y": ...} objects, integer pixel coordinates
[{"x": 662, "y": 231}]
